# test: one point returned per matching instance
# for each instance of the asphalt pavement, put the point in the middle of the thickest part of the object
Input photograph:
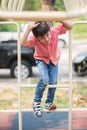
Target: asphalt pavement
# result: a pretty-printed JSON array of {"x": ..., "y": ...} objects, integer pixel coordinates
[{"x": 7, "y": 82}]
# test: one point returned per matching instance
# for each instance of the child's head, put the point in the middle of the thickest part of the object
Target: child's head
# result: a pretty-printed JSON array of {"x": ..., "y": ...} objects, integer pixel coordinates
[
  {"x": 42, "y": 32},
  {"x": 41, "y": 29}
]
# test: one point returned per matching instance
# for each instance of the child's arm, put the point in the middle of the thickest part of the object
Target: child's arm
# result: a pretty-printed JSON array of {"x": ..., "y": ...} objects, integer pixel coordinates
[
  {"x": 67, "y": 24},
  {"x": 24, "y": 41}
]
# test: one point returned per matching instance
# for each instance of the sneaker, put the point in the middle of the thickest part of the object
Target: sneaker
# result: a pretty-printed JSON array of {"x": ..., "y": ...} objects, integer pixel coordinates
[
  {"x": 37, "y": 110},
  {"x": 50, "y": 106}
]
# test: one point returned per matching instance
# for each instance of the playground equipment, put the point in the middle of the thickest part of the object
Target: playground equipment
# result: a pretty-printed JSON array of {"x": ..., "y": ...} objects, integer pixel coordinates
[
  {"x": 12, "y": 10},
  {"x": 10, "y": 5}
]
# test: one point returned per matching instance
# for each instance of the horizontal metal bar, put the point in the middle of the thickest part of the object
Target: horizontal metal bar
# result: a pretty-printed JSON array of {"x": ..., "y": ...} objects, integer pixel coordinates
[
  {"x": 49, "y": 86},
  {"x": 58, "y": 109},
  {"x": 79, "y": 22},
  {"x": 45, "y": 110},
  {"x": 40, "y": 15}
]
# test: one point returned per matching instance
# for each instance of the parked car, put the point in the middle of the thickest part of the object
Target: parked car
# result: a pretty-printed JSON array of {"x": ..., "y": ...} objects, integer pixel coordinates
[
  {"x": 8, "y": 58},
  {"x": 80, "y": 63},
  {"x": 5, "y": 36},
  {"x": 63, "y": 40}
]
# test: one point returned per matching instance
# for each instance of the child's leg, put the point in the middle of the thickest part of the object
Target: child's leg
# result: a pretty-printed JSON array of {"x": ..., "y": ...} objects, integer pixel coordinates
[
  {"x": 53, "y": 76},
  {"x": 44, "y": 79},
  {"x": 43, "y": 69}
]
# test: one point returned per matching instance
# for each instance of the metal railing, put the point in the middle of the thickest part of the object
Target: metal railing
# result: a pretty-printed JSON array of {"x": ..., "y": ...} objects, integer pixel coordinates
[
  {"x": 12, "y": 5},
  {"x": 69, "y": 86},
  {"x": 19, "y": 67}
]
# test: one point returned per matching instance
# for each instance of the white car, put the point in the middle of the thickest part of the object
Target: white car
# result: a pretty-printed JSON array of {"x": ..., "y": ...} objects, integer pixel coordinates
[
  {"x": 63, "y": 40},
  {"x": 4, "y": 36}
]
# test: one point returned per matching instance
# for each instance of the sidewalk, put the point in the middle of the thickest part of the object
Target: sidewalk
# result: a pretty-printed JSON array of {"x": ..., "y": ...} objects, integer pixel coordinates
[{"x": 49, "y": 121}]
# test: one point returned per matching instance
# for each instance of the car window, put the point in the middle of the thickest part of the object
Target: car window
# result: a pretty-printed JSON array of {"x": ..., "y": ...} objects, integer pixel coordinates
[{"x": 8, "y": 43}]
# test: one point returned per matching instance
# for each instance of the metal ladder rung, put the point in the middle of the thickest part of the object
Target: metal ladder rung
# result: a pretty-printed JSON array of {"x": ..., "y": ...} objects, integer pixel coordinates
[
  {"x": 49, "y": 86},
  {"x": 44, "y": 110},
  {"x": 59, "y": 109}
]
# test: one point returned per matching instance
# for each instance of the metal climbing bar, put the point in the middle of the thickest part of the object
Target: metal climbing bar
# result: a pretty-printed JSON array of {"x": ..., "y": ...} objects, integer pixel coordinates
[
  {"x": 70, "y": 81},
  {"x": 12, "y": 5},
  {"x": 19, "y": 70},
  {"x": 49, "y": 86},
  {"x": 69, "y": 86},
  {"x": 11, "y": 9},
  {"x": 37, "y": 15}
]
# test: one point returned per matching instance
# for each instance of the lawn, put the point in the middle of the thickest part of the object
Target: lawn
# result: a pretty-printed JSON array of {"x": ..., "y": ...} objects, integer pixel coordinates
[
  {"x": 80, "y": 31},
  {"x": 8, "y": 98}
]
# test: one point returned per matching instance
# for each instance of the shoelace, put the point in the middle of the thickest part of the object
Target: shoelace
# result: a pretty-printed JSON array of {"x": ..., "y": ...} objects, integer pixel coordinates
[
  {"x": 48, "y": 105},
  {"x": 37, "y": 107}
]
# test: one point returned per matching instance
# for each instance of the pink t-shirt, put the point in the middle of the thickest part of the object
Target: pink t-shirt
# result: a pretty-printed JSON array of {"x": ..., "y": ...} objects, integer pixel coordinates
[{"x": 50, "y": 52}]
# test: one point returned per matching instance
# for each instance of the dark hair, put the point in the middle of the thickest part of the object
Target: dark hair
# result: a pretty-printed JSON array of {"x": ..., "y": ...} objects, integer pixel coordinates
[{"x": 41, "y": 29}]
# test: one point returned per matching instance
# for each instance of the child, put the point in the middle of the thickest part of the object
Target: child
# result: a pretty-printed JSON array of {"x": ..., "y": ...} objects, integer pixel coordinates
[{"x": 47, "y": 55}]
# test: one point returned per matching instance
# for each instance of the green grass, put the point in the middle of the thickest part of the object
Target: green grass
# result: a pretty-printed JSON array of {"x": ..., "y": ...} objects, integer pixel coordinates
[
  {"x": 9, "y": 100},
  {"x": 80, "y": 95},
  {"x": 80, "y": 31}
]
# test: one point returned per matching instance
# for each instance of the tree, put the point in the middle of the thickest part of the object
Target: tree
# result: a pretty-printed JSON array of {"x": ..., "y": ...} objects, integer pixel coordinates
[
  {"x": 32, "y": 5},
  {"x": 59, "y": 5},
  {"x": 48, "y": 5}
]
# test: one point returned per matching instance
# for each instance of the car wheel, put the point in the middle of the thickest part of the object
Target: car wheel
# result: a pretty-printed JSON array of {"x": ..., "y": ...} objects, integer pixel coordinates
[
  {"x": 26, "y": 70},
  {"x": 61, "y": 43}
]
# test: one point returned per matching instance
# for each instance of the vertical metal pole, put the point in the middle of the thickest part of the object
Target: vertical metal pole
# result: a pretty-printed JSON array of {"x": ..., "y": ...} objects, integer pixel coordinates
[
  {"x": 19, "y": 71},
  {"x": 70, "y": 81},
  {"x": 70, "y": 74},
  {"x": 19, "y": 77}
]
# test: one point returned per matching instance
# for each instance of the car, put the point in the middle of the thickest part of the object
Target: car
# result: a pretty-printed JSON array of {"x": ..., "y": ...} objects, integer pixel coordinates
[
  {"x": 8, "y": 58},
  {"x": 4, "y": 36},
  {"x": 80, "y": 63},
  {"x": 63, "y": 40}
]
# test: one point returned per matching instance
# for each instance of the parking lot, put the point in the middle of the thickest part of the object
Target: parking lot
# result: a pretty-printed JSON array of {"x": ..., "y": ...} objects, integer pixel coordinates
[
  {"x": 77, "y": 47},
  {"x": 7, "y": 82}
]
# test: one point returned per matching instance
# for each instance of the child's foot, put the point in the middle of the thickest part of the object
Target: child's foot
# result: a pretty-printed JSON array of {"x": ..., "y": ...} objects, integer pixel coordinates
[
  {"x": 37, "y": 109},
  {"x": 50, "y": 106}
]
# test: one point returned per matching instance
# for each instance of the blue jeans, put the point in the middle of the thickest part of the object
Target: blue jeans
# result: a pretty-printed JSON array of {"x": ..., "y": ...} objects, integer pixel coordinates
[{"x": 48, "y": 75}]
